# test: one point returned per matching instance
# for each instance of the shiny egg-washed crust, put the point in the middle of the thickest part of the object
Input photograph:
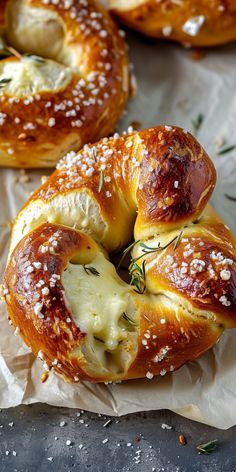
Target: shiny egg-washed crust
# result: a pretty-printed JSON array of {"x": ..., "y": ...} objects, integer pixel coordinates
[
  {"x": 190, "y": 22},
  {"x": 190, "y": 282},
  {"x": 37, "y": 129},
  {"x": 140, "y": 171}
]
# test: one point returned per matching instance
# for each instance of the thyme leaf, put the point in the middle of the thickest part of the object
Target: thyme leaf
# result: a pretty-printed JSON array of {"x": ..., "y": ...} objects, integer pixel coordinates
[
  {"x": 208, "y": 447},
  {"x": 197, "y": 123},
  {"x": 91, "y": 270},
  {"x": 226, "y": 149},
  {"x": 101, "y": 181}
]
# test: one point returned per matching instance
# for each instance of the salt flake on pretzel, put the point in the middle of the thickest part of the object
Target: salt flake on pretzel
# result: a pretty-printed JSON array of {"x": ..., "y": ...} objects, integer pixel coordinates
[
  {"x": 66, "y": 297},
  {"x": 64, "y": 79}
]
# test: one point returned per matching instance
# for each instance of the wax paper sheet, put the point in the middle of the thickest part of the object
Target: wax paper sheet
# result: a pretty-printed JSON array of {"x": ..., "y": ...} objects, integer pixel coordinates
[{"x": 172, "y": 89}]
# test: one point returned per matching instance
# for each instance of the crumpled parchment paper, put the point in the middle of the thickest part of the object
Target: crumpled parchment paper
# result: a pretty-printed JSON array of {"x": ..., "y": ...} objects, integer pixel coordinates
[{"x": 172, "y": 89}]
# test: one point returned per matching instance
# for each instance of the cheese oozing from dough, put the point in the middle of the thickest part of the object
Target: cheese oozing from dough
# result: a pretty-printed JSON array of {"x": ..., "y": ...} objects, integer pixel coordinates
[
  {"x": 101, "y": 306},
  {"x": 32, "y": 75}
]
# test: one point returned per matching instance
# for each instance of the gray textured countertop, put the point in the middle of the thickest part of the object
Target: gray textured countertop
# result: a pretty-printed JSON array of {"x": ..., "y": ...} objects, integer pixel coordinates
[{"x": 43, "y": 438}]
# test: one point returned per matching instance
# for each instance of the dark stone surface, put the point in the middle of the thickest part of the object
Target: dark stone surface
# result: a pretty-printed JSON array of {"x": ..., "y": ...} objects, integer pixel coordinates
[{"x": 34, "y": 429}]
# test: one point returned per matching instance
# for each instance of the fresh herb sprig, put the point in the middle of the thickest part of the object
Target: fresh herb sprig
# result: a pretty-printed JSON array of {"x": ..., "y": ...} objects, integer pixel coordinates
[
  {"x": 230, "y": 197},
  {"x": 149, "y": 250},
  {"x": 136, "y": 271},
  {"x": 197, "y": 122},
  {"x": 126, "y": 251},
  {"x": 91, "y": 270},
  {"x": 208, "y": 447},
  {"x": 226, "y": 149},
  {"x": 137, "y": 276}
]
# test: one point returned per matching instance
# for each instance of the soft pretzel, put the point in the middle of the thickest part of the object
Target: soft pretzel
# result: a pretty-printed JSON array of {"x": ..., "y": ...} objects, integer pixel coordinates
[
  {"x": 65, "y": 296},
  {"x": 190, "y": 22},
  {"x": 67, "y": 84}
]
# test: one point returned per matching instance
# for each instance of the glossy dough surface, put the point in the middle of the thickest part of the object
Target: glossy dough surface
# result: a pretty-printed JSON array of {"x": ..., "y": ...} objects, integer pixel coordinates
[
  {"x": 190, "y": 22},
  {"x": 66, "y": 298},
  {"x": 66, "y": 84}
]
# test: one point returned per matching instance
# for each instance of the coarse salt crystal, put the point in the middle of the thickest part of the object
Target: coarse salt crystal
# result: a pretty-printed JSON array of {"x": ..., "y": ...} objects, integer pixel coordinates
[{"x": 149, "y": 375}]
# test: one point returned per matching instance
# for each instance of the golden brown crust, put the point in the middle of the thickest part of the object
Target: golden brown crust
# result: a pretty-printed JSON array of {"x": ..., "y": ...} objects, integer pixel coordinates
[
  {"x": 39, "y": 128},
  {"x": 191, "y": 22},
  {"x": 37, "y": 305},
  {"x": 167, "y": 341},
  {"x": 202, "y": 268},
  {"x": 165, "y": 178},
  {"x": 163, "y": 172},
  {"x": 36, "y": 299}
]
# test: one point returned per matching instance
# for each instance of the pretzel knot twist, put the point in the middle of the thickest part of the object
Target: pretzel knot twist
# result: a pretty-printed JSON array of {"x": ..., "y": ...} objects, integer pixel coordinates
[
  {"x": 190, "y": 22},
  {"x": 66, "y": 297},
  {"x": 64, "y": 79}
]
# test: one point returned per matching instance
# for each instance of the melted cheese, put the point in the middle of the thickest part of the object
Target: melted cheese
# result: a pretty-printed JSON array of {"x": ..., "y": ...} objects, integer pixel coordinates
[
  {"x": 97, "y": 302},
  {"x": 31, "y": 75}
]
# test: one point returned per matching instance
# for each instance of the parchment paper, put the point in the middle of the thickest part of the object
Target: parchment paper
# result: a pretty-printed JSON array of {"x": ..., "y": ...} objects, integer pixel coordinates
[{"x": 173, "y": 89}]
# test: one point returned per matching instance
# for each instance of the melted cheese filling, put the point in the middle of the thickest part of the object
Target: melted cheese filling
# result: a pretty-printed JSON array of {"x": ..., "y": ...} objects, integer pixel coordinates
[
  {"x": 32, "y": 75},
  {"x": 102, "y": 308},
  {"x": 97, "y": 302}
]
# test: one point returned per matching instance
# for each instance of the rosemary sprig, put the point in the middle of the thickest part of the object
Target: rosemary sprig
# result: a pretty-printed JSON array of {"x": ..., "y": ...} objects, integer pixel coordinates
[
  {"x": 128, "y": 319},
  {"x": 226, "y": 149},
  {"x": 126, "y": 251},
  {"x": 137, "y": 276},
  {"x": 101, "y": 181},
  {"x": 197, "y": 123},
  {"x": 4, "y": 82},
  {"x": 233, "y": 199},
  {"x": 91, "y": 270},
  {"x": 208, "y": 447},
  {"x": 149, "y": 250}
]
